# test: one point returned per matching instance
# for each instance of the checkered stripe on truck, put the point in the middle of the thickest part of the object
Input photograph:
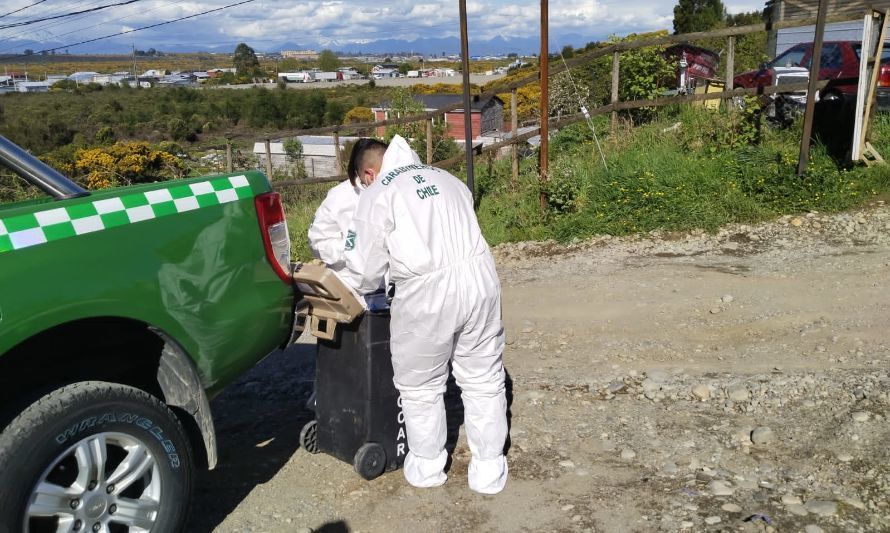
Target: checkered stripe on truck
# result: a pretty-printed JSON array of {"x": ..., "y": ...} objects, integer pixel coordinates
[{"x": 33, "y": 229}]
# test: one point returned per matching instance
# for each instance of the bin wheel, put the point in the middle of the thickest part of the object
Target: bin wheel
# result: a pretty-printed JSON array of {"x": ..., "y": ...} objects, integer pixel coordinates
[
  {"x": 309, "y": 437},
  {"x": 370, "y": 460}
]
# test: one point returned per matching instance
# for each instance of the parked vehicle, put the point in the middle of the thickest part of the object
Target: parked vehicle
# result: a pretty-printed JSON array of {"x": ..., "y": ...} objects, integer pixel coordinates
[
  {"x": 328, "y": 76},
  {"x": 839, "y": 65},
  {"x": 123, "y": 312},
  {"x": 296, "y": 77}
]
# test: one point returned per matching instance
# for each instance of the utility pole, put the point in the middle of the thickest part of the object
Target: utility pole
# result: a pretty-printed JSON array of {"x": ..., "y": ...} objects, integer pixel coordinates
[
  {"x": 468, "y": 112},
  {"x": 814, "y": 87},
  {"x": 135, "y": 75},
  {"x": 545, "y": 96}
]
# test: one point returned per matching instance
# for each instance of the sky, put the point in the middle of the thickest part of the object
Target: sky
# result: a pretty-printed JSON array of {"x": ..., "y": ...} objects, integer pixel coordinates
[{"x": 266, "y": 24}]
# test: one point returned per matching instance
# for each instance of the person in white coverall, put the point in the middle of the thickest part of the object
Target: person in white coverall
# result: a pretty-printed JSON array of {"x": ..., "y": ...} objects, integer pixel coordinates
[
  {"x": 334, "y": 216},
  {"x": 418, "y": 222}
]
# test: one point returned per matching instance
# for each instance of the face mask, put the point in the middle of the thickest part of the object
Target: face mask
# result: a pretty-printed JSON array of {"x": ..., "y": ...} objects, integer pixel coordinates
[{"x": 359, "y": 185}]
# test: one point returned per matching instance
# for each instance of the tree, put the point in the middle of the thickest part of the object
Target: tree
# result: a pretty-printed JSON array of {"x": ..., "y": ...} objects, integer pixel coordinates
[
  {"x": 28, "y": 52},
  {"x": 745, "y": 19},
  {"x": 698, "y": 15},
  {"x": 245, "y": 61},
  {"x": 328, "y": 61},
  {"x": 294, "y": 150}
]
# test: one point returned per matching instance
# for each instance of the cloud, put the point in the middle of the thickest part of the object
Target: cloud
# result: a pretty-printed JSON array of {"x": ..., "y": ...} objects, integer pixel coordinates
[{"x": 268, "y": 22}]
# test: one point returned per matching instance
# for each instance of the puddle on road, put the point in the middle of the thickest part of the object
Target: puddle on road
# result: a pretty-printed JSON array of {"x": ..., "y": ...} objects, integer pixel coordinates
[
  {"x": 675, "y": 255},
  {"x": 737, "y": 270},
  {"x": 849, "y": 253}
]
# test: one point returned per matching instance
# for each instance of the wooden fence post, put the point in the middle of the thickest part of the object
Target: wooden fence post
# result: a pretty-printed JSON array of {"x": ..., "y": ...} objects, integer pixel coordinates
[
  {"x": 616, "y": 69},
  {"x": 544, "y": 104},
  {"x": 268, "y": 159},
  {"x": 514, "y": 125},
  {"x": 730, "y": 65},
  {"x": 810, "y": 112},
  {"x": 337, "y": 154},
  {"x": 429, "y": 142},
  {"x": 229, "y": 156}
]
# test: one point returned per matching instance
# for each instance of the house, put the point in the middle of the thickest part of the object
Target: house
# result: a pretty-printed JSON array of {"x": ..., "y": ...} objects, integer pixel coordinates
[
  {"x": 845, "y": 21},
  {"x": 487, "y": 115},
  {"x": 32, "y": 86},
  {"x": 694, "y": 64},
  {"x": 349, "y": 73},
  {"x": 378, "y": 74},
  {"x": 790, "y": 10},
  {"x": 219, "y": 72},
  {"x": 386, "y": 70}
]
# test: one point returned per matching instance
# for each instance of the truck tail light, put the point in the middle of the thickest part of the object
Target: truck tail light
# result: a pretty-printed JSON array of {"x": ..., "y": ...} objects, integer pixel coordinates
[
  {"x": 273, "y": 227},
  {"x": 884, "y": 78}
]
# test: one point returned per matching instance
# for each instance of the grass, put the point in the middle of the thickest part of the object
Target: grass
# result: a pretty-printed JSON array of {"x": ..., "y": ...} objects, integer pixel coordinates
[
  {"x": 693, "y": 177},
  {"x": 300, "y": 205},
  {"x": 714, "y": 169}
]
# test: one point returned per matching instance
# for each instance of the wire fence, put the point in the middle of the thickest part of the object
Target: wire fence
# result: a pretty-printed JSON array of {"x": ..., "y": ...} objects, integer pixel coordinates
[{"x": 516, "y": 140}]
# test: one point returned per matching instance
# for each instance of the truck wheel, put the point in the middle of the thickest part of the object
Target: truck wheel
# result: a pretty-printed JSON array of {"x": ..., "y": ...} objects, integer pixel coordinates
[
  {"x": 95, "y": 456},
  {"x": 309, "y": 437},
  {"x": 370, "y": 460}
]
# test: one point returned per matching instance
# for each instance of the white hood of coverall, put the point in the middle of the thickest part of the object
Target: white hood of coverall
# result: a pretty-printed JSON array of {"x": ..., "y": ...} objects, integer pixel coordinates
[{"x": 399, "y": 154}]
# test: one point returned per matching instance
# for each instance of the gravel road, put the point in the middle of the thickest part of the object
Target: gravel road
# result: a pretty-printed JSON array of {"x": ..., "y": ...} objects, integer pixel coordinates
[{"x": 735, "y": 381}]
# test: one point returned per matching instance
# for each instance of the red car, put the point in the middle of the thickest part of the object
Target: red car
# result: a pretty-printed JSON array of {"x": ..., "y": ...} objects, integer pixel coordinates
[{"x": 840, "y": 65}]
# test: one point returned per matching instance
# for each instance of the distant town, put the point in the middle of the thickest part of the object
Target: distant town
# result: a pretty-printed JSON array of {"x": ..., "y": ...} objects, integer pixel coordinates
[{"x": 378, "y": 67}]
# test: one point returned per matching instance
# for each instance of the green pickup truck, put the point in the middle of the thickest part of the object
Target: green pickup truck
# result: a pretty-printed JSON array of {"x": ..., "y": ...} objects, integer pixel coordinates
[{"x": 122, "y": 312}]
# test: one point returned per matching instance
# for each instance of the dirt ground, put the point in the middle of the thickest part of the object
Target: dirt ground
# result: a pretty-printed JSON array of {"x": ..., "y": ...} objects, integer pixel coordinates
[{"x": 728, "y": 382}]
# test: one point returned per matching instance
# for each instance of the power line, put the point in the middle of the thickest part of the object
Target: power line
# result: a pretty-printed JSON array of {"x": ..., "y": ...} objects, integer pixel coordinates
[
  {"x": 45, "y": 27},
  {"x": 397, "y": 31},
  {"x": 22, "y": 9},
  {"x": 65, "y": 15},
  {"x": 144, "y": 27}
]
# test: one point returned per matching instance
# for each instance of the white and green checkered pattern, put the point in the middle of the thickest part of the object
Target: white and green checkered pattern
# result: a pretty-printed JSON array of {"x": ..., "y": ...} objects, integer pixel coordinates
[{"x": 23, "y": 231}]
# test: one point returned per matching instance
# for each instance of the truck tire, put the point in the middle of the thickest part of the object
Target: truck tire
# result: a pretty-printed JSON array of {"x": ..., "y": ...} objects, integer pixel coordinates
[{"x": 95, "y": 456}]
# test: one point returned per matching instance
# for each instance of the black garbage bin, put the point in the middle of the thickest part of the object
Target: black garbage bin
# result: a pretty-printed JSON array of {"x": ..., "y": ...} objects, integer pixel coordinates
[{"x": 358, "y": 414}]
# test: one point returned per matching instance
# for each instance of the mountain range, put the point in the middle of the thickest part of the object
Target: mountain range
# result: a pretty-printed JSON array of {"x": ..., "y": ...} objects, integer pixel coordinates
[{"x": 428, "y": 46}]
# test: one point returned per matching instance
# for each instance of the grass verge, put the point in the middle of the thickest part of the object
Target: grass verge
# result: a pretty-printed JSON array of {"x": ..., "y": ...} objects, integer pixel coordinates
[{"x": 688, "y": 169}]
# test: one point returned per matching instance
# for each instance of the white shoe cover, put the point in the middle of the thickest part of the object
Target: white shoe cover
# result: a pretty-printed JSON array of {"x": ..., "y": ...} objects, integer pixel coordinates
[
  {"x": 488, "y": 476},
  {"x": 425, "y": 473}
]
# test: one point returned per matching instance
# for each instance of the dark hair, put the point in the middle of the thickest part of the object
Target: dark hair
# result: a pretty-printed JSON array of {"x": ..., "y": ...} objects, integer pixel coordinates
[{"x": 358, "y": 157}]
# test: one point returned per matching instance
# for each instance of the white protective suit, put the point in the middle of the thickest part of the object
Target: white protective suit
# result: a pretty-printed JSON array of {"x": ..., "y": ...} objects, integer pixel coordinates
[
  {"x": 418, "y": 221},
  {"x": 332, "y": 220}
]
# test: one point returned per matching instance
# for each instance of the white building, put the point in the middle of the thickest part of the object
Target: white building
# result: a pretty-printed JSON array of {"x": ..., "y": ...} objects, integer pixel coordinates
[
  {"x": 385, "y": 73},
  {"x": 83, "y": 77},
  {"x": 349, "y": 73},
  {"x": 319, "y": 157},
  {"x": 32, "y": 86}
]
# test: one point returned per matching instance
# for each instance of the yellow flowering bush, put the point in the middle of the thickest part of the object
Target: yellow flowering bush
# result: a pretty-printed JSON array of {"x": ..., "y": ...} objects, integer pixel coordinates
[{"x": 125, "y": 163}]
